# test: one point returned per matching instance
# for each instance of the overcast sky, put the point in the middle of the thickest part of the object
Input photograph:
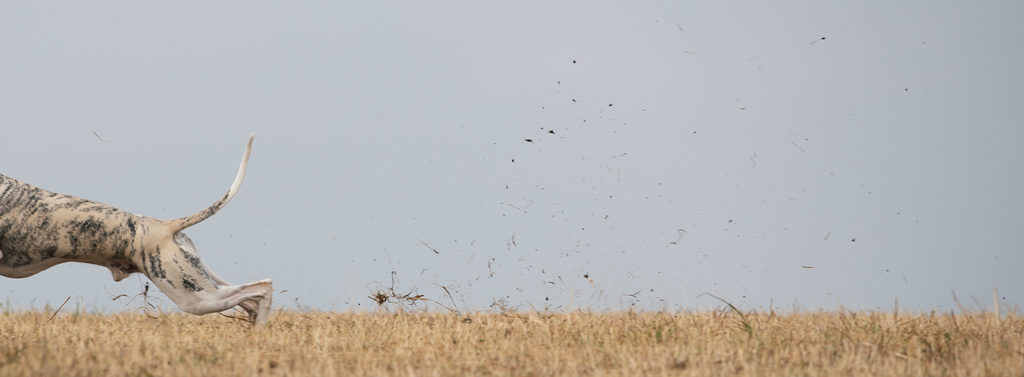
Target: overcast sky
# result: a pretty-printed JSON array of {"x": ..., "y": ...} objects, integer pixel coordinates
[{"x": 561, "y": 155}]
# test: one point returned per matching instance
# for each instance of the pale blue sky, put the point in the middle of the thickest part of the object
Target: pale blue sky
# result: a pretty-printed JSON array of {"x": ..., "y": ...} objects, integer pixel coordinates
[{"x": 876, "y": 142}]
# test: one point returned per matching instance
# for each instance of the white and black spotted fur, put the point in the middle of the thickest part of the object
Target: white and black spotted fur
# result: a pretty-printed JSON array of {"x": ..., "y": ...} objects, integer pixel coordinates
[{"x": 39, "y": 229}]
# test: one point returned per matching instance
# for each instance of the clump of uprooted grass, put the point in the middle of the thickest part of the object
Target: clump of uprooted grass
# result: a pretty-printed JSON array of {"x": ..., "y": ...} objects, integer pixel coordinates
[{"x": 514, "y": 344}]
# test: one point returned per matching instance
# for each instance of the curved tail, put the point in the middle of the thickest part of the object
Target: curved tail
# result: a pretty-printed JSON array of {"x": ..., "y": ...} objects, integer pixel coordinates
[{"x": 180, "y": 224}]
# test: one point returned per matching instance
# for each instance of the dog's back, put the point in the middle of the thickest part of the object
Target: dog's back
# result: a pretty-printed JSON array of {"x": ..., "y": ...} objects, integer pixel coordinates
[{"x": 40, "y": 228}]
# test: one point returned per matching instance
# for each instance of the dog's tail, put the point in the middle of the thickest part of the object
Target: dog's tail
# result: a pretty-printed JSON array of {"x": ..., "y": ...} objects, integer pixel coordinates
[{"x": 178, "y": 225}]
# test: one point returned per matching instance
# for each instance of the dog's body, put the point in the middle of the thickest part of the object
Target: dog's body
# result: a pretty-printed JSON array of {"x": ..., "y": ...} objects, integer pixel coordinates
[{"x": 39, "y": 229}]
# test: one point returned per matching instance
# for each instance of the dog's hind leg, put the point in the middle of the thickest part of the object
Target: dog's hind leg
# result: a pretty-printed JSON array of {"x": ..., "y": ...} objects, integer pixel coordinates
[
  {"x": 185, "y": 278},
  {"x": 255, "y": 297}
]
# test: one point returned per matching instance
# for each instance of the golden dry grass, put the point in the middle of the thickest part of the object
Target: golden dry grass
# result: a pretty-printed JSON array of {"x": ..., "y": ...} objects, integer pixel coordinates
[{"x": 514, "y": 344}]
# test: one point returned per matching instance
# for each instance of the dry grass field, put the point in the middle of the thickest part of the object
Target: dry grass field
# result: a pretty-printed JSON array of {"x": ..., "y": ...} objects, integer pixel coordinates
[{"x": 514, "y": 344}]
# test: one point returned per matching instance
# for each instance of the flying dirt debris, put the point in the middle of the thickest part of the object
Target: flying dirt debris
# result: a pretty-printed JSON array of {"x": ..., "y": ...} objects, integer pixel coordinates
[
  {"x": 679, "y": 238},
  {"x": 815, "y": 41},
  {"x": 97, "y": 134},
  {"x": 428, "y": 246}
]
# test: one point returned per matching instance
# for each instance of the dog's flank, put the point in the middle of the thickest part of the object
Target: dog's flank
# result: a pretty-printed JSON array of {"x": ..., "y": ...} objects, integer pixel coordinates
[{"x": 39, "y": 229}]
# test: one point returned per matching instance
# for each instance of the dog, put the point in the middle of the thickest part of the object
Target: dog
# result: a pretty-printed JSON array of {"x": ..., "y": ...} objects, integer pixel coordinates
[{"x": 40, "y": 229}]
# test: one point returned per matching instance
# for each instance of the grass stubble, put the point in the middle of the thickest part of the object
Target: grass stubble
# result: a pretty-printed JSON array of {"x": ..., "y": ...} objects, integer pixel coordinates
[{"x": 410, "y": 343}]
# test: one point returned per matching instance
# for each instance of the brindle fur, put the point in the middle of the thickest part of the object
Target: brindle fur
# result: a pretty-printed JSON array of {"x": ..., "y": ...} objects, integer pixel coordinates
[{"x": 39, "y": 229}]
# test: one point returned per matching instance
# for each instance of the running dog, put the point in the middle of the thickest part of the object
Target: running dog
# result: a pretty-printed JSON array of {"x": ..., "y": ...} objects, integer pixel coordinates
[{"x": 39, "y": 229}]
